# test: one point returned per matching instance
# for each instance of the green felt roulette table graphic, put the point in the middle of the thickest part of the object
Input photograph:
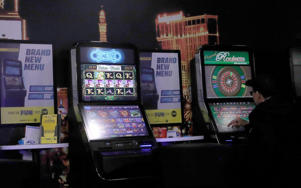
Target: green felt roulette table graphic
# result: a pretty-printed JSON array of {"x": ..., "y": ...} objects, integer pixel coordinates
[{"x": 224, "y": 112}]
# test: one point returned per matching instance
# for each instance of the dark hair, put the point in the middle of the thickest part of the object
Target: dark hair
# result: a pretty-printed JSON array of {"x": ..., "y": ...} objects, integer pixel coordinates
[{"x": 265, "y": 84}]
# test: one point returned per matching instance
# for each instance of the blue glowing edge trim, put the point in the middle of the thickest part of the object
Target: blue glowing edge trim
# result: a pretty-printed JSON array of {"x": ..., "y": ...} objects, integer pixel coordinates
[{"x": 145, "y": 146}]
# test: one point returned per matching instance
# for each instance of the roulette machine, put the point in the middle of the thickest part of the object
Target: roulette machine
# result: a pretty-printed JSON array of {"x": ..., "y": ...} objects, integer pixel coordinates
[
  {"x": 110, "y": 131},
  {"x": 220, "y": 87}
]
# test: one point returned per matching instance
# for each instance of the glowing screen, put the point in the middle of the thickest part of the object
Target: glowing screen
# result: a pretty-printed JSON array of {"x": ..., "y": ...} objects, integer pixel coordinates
[
  {"x": 12, "y": 68},
  {"x": 108, "y": 82},
  {"x": 113, "y": 56},
  {"x": 103, "y": 122},
  {"x": 13, "y": 71},
  {"x": 227, "y": 81},
  {"x": 107, "y": 55},
  {"x": 223, "y": 113}
]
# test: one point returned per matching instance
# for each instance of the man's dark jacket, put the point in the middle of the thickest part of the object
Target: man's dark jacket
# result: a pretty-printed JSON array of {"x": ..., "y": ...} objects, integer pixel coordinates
[{"x": 271, "y": 141}]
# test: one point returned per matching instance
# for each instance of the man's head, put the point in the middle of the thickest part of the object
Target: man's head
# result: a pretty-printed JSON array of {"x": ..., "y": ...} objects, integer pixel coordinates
[{"x": 263, "y": 86}]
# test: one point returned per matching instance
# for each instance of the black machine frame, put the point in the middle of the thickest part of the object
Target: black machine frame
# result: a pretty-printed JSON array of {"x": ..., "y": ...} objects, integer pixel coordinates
[
  {"x": 104, "y": 154},
  {"x": 223, "y": 136},
  {"x": 112, "y": 103},
  {"x": 180, "y": 84}
]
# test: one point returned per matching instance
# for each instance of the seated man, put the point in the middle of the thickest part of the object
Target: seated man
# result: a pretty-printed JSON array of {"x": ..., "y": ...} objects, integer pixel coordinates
[{"x": 268, "y": 129}]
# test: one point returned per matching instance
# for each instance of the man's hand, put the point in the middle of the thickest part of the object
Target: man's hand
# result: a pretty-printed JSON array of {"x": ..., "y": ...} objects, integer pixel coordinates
[{"x": 237, "y": 122}]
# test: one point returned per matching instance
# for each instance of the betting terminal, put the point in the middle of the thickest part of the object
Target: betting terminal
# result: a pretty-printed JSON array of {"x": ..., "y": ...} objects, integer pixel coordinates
[
  {"x": 221, "y": 74},
  {"x": 109, "y": 119},
  {"x": 12, "y": 86}
]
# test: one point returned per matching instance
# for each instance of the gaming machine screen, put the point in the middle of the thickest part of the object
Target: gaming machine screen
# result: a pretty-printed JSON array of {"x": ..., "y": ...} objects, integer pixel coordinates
[
  {"x": 108, "y": 82},
  {"x": 224, "y": 112},
  {"x": 227, "y": 81},
  {"x": 12, "y": 71},
  {"x": 12, "y": 68},
  {"x": 103, "y": 122},
  {"x": 226, "y": 73}
]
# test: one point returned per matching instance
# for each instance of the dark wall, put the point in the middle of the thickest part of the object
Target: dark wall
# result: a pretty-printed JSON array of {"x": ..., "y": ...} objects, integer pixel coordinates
[{"x": 269, "y": 28}]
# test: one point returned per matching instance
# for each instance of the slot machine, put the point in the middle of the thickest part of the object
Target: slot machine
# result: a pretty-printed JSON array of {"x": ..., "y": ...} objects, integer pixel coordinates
[
  {"x": 222, "y": 95},
  {"x": 107, "y": 113},
  {"x": 12, "y": 86}
]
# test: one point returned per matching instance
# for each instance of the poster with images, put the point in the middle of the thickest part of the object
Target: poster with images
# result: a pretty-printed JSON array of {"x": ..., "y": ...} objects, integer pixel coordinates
[
  {"x": 26, "y": 82},
  {"x": 161, "y": 87}
]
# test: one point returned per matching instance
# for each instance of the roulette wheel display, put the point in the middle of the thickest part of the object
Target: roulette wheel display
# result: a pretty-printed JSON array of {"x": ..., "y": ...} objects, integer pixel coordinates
[{"x": 228, "y": 81}]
